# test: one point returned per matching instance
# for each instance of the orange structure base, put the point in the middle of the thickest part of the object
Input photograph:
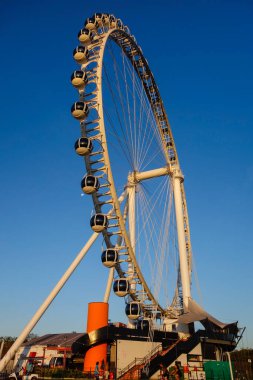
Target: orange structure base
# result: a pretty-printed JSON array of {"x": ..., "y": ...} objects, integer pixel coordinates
[{"x": 97, "y": 318}]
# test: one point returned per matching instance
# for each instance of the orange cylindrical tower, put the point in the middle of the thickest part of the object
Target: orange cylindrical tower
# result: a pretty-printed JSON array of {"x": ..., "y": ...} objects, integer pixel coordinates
[{"x": 97, "y": 318}]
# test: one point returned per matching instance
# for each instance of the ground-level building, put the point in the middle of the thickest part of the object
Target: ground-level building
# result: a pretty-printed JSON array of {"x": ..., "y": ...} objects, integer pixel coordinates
[
  {"x": 47, "y": 350},
  {"x": 134, "y": 353}
]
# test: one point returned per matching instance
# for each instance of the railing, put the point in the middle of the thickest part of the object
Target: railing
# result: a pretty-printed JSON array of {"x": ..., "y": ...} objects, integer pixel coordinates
[
  {"x": 164, "y": 352},
  {"x": 138, "y": 362},
  {"x": 130, "y": 366}
]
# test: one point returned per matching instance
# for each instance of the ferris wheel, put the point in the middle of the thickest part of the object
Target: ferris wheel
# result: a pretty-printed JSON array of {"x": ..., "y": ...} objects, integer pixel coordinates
[
  {"x": 132, "y": 172},
  {"x": 134, "y": 178}
]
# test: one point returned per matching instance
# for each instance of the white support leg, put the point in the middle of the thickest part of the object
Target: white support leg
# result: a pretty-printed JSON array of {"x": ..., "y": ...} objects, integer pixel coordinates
[
  {"x": 230, "y": 366},
  {"x": 1, "y": 348},
  {"x": 28, "y": 328},
  {"x": 131, "y": 222},
  {"x": 131, "y": 213},
  {"x": 184, "y": 270},
  {"x": 109, "y": 285}
]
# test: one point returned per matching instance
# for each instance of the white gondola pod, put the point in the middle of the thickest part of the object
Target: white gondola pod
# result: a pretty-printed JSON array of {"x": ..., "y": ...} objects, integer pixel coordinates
[
  {"x": 126, "y": 29},
  {"x": 91, "y": 23},
  {"x": 85, "y": 36},
  {"x": 133, "y": 310},
  {"x": 109, "y": 257},
  {"x": 99, "y": 19},
  {"x": 81, "y": 54},
  {"x": 113, "y": 22},
  {"x": 119, "y": 24},
  {"x": 90, "y": 184},
  {"x": 106, "y": 18},
  {"x": 143, "y": 324},
  {"x": 99, "y": 222},
  {"x": 80, "y": 110},
  {"x": 79, "y": 79},
  {"x": 152, "y": 89},
  {"x": 121, "y": 287},
  {"x": 83, "y": 146}
]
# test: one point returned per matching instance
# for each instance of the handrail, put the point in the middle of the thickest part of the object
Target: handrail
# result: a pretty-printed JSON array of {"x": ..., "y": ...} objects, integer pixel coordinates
[
  {"x": 164, "y": 352},
  {"x": 146, "y": 358},
  {"x": 151, "y": 355},
  {"x": 130, "y": 366},
  {"x": 176, "y": 349}
]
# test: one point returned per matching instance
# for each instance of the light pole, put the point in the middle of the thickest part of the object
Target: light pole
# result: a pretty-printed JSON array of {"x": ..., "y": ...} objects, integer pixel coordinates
[{"x": 230, "y": 365}]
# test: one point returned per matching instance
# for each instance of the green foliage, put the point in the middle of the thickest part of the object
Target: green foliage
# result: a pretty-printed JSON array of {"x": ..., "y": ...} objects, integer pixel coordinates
[
  {"x": 13, "y": 338},
  {"x": 31, "y": 336},
  {"x": 8, "y": 338},
  {"x": 243, "y": 363},
  {"x": 61, "y": 373}
]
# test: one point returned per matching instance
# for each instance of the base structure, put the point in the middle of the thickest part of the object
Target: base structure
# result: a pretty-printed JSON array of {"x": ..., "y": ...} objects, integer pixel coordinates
[{"x": 133, "y": 356}]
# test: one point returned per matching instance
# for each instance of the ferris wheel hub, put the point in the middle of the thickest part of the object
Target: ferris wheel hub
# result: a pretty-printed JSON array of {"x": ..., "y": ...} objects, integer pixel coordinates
[{"x": 136, "y": 177}]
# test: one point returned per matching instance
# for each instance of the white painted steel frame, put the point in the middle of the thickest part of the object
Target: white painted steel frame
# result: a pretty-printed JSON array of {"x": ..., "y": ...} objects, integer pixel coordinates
[
  {"x": 172, "y": 164},
  {"x": 173, "y": 170},
  {"x": 109, "y": 174}
]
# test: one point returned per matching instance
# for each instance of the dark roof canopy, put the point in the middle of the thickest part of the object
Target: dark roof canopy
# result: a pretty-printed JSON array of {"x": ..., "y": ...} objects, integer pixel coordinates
[
  {"x": 196, "y": 313},
  {"x": 62, "y": 340}
]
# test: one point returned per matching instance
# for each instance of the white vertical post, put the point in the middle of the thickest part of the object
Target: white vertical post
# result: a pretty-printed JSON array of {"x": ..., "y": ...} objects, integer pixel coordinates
[
  {"x": 184, "y": 270},
  {"x": 131, "y": 213},
  {"x": 131, "y": 222},
  {"x": 230, "y": 366},
  {"x": 109, "y": 285}
]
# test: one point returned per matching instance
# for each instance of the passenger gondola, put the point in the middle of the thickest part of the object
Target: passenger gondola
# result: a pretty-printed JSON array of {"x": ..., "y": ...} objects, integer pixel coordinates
[
  {"x": 79, "y": 79},
  {"x": 143, "y": 324},
  {"x": 109, "y": 257},
  {"x": 85, "y": 35},
  {"x": 91, "y": 23},
  {"x": 99, "y": 18},
  {"x": 80, "y": 110},
  {"x": 90, "y": 184},
  {"x": 121, "y": 287},
  {"x": 133, "y": 310},
  {"x": 112, "y": 22},
  {"x": 81, "y": 54},
  {"x": 106, "y": 18},
  {"x": 99, "y": 222}
]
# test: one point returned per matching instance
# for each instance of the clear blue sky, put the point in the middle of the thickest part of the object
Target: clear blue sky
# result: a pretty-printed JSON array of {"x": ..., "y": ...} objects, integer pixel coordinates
[{"x": 201, "y": 55}]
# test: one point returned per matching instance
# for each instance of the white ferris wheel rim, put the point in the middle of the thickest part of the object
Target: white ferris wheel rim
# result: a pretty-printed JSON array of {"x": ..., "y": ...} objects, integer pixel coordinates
[{"x": 119, "y": 35}]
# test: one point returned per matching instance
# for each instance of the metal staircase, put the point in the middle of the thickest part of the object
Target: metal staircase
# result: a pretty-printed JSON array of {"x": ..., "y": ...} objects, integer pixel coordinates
[
  {"x": 132, "y": 370},
  {"x": 140, "y": 367}
]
